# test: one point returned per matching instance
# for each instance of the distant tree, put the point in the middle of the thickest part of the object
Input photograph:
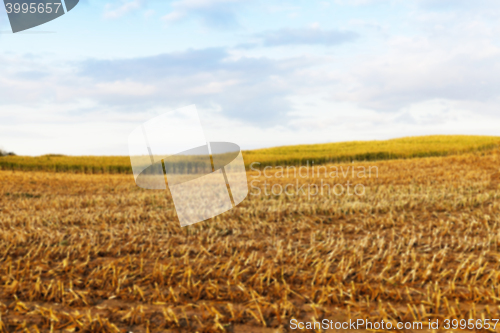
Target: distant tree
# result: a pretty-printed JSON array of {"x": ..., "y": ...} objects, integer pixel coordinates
[{"x": 5, "y": 153}]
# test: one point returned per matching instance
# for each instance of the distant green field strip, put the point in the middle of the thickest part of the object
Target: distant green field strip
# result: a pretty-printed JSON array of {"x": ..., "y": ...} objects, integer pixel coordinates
[{"x": 411, "y": 147}]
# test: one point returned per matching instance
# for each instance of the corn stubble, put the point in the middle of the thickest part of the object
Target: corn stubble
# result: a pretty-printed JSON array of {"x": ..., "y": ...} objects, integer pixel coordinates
[{"x": 94, "y": 253}]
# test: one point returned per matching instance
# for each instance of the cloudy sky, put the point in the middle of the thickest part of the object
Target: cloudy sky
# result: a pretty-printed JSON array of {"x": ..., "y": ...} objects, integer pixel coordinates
[{"x": 265, "y": 73}]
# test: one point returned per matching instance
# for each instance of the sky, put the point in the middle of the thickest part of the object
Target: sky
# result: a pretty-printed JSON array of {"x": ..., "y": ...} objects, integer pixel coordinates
[{"x": 262, "y": 73}]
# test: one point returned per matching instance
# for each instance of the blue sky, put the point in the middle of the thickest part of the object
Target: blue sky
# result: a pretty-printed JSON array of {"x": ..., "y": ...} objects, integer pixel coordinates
[{"x": 264, "y": 73}]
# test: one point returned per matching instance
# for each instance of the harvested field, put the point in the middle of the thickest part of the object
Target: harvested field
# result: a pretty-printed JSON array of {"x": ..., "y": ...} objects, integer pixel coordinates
[{"x": 95, "y": 253}]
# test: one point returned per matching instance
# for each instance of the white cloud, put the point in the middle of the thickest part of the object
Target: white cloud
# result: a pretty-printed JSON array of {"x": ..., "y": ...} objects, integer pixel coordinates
[
  {"x": 125, "y": 7},
  {"x": 199, "y": 4},
  {"x": 212, "y": 13},
  {"x": 174, "y": 16},
  {"x": 125, "y": 88}
]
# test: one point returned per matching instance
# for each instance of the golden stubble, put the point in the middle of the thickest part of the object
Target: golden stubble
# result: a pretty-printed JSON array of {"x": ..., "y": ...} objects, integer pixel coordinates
[{"x": 94, "y": 253}]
